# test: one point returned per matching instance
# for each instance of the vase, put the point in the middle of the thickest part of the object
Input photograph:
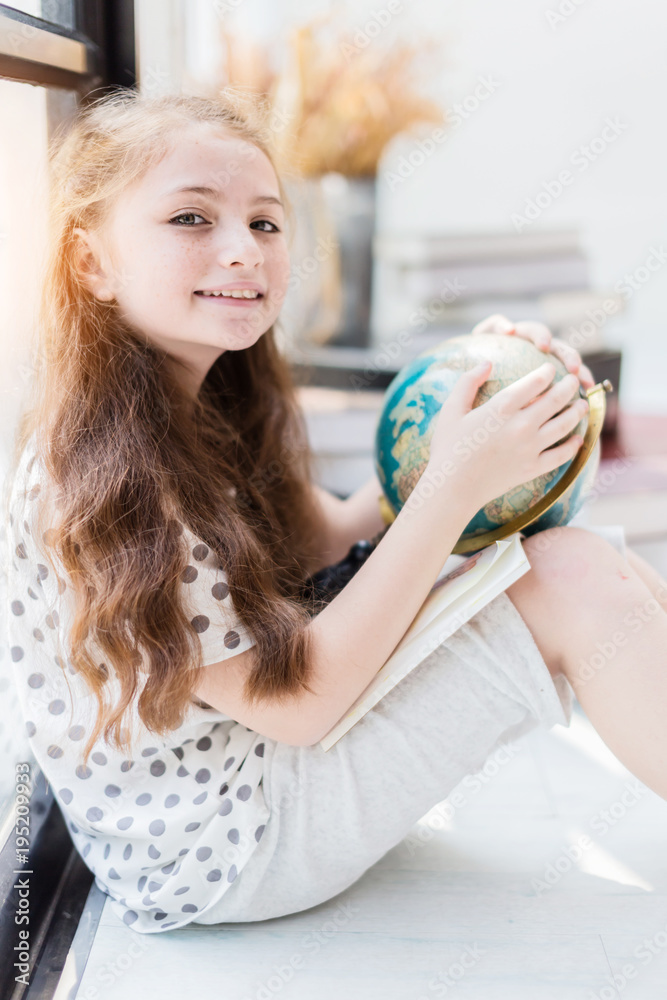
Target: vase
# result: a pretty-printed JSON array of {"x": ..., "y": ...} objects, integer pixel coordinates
[
  {"x": 351, "y": 206},
  {"x": 329, "y": 295}
]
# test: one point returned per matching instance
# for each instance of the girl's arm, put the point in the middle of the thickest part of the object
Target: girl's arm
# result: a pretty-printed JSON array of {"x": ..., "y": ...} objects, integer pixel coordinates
[
  {"x": 363, "y": 517},
  {"x": 348, "y": 521},
  {"x": 358, "y": 631}
]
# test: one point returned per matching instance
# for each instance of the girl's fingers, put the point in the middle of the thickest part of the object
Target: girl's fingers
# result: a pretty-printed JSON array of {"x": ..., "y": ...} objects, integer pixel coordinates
[
  {"x": 554, "y": 457},
  {"x": 494, "y": 324},
  {"x": 540, "y": 335},
  {"x": 562, "y": 423},
  {"x": 586, "y": 376},
  {"x": 537, "y": 333},
  {"x": 572, "y": 361},
  {"x": 524, "y": 391},
  {"x": 558, "y": 396}
]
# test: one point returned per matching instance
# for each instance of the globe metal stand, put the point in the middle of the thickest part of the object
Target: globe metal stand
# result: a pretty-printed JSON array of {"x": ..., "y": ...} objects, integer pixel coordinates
[{"x": 597, "y": 402}]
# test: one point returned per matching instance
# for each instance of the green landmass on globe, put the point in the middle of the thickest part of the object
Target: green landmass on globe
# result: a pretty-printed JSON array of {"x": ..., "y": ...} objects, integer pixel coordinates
[{"x": 413, "y": 400}]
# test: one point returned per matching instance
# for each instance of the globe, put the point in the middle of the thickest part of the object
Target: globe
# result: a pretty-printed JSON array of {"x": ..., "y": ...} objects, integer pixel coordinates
[{"x": 408, "y": 415}]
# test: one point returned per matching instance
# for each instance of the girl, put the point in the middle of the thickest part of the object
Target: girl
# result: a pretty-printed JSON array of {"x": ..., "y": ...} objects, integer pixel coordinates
[{"x": 174, "y": 668}]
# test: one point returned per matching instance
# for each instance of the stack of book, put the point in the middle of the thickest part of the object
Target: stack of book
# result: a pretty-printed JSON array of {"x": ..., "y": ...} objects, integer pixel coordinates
[{"x": 438, "y": 286}]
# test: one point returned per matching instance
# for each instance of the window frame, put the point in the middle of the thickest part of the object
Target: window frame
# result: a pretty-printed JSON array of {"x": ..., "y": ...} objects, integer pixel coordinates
[{"x": 99, "y": 52}]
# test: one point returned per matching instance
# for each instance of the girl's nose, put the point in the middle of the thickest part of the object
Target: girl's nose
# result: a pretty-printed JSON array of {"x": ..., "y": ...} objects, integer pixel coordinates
[{"x": 238, "y": 245}]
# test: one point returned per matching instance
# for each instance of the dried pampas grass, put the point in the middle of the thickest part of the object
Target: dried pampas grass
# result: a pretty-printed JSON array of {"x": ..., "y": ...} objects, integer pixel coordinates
[{"x": 337, "y": 105}]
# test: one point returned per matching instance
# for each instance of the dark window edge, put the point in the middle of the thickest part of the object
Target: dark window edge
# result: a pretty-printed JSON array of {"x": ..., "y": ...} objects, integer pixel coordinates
[{"x": 57, "y": 883}]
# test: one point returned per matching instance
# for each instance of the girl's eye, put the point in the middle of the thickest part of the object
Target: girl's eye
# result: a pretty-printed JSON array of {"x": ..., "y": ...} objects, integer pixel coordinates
[
  {"x": 196, "y": 215},
  {"x": 187, "y": 215},
  {"x": 268, "y": 223}
]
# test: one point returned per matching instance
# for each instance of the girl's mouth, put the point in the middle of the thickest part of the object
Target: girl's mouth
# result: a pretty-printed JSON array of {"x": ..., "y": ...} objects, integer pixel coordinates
[{"x": 243, "y": 300}]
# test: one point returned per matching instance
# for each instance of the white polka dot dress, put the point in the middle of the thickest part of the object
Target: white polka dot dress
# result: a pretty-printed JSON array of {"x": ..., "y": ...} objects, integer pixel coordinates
[{"x": 167, "y": 829}]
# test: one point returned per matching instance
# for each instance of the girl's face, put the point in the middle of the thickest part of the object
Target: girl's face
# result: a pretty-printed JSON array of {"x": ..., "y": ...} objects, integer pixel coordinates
[{"x": 206, "y": 218}]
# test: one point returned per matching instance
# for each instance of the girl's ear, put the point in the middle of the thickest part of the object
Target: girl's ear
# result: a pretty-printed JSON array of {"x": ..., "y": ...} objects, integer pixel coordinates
[{"x": 87, "y": 261}]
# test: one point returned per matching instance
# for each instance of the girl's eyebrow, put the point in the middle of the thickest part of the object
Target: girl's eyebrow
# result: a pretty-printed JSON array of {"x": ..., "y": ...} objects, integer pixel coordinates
[{"x": 213, "y": 192}]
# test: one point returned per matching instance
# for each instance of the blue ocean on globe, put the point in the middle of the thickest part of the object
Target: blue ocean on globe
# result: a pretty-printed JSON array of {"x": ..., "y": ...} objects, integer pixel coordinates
[{"x": 413, "y": 400}]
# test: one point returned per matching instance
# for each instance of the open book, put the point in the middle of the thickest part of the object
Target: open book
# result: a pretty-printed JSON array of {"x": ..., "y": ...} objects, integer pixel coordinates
[{"x": 464, "y": 585}]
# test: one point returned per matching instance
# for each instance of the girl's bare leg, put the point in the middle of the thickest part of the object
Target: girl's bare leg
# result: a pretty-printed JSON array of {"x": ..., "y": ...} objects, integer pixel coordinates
[
  {"x": 655, "y": 583},
  {"x": 600, "y": 620}
]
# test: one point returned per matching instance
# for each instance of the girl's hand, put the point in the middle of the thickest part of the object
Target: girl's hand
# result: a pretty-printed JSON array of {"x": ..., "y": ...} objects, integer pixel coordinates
[
  {"x": 511, "y": 438},
  {"x": 540, "y": 335}
]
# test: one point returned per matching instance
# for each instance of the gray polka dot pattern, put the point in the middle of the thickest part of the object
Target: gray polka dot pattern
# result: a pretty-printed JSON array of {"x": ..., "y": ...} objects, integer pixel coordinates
[
  {"x": 200, "y": 622},
  {"x": 154, "y": 820}
]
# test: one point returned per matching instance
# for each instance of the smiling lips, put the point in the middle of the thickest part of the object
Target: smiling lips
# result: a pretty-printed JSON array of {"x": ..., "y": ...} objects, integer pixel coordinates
[
  {"x": 239, "y": 299},
  {"x": 239, "y": 295},
  {"x": 246, "y": 294}
]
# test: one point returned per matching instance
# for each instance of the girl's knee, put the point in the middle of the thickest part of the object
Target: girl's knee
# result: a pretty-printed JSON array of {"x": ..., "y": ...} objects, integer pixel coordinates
[{"x": 569, "y": 556}]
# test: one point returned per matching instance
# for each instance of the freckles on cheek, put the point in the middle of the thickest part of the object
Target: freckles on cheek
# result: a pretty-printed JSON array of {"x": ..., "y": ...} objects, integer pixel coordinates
[
  {"x": 169, "y": 272},
  {"x": 186, "y": 267}
]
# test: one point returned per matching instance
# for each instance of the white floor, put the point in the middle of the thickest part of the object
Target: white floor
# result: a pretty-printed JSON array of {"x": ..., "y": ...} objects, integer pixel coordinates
[{"x": 546, "y": 882}]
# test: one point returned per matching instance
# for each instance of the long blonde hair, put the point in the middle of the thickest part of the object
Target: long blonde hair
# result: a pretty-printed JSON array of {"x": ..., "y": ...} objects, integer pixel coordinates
[{"x": 235, "y": 466}]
